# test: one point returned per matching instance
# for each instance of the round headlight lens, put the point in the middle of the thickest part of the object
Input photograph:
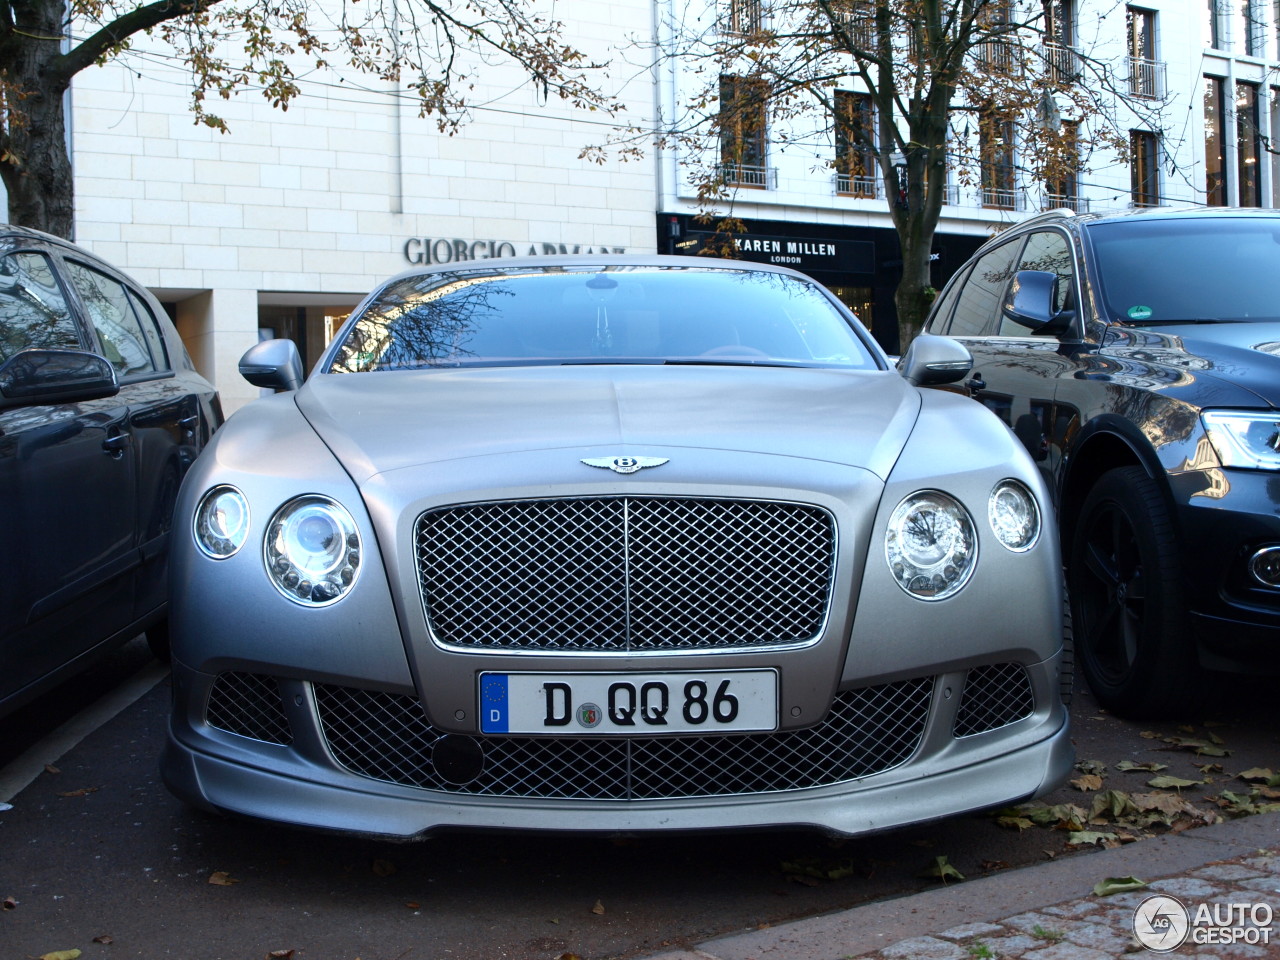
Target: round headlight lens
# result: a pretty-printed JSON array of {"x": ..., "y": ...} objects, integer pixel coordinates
[
  {"x": 930, "y": 545},
  {"x": 222, "y": 521},
  {"x": 312, "y": 550},
  {"x": 1015, "y": 516}
]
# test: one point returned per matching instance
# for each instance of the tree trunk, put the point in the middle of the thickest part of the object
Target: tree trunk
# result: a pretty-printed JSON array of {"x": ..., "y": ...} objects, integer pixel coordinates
[
  {"x": 909, "y": 298},
  {"x": 34, "y": 162}
]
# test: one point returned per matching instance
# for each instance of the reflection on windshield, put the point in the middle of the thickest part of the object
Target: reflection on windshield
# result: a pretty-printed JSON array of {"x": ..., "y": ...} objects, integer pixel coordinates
[
  {"x": 1188, "y": 271},
  {"x": 617, "y": 314}
]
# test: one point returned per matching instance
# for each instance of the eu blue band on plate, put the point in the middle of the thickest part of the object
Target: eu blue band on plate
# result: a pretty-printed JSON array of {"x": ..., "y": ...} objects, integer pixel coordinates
[{"x": 493, "y": 703}]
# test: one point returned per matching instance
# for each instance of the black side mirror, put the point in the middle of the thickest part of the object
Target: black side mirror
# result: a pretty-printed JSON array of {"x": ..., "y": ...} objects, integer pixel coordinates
[
  {"x": 1031, "y": 302},
  {"x": 56, "y": 376},
  {"x": 931, "y": 361},
  {"x": 274, "y": 364}
]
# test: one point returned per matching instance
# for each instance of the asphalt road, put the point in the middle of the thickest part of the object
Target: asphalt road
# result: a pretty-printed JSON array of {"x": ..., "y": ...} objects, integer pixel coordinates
[{"x": 95, "y": 855}]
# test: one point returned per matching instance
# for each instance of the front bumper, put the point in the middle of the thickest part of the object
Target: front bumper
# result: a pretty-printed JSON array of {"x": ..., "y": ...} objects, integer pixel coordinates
[{"x": 307, "y": 782}]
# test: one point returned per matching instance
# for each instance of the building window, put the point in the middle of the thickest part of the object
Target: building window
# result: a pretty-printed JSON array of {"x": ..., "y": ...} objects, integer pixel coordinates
[
  {"x": 1248, "y": 145},
  {"x": 1275, "y": 157},
  {"x": 1062, "y": 187},
  {"x": 743, "y": 104},
  {"x": 1146, "y": 73},
  {"x": 1215, "y": 143},
  {"x": 1144, "y": 168},
  {"x": 1254, "y": 28},
  {"x": 858, "y": 20},
  {"x": 855, "y": 144},
  {"x": 1215, "y": 32},
  {"x": 744, "y": 16},
  {"x": 1059, "y": 40},
  {"x": 997, "y": 158},
  {"x": 861, "y": 300}
]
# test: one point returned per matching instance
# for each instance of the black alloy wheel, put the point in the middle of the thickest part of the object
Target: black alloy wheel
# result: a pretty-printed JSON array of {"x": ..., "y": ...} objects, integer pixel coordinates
[{"x": 1128, "y": 614}]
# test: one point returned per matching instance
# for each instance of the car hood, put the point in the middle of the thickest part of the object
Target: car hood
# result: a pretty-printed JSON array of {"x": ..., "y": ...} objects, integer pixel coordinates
[
  {"x": 380, "y": 422},
  {"x": 1246, "y": 355}
]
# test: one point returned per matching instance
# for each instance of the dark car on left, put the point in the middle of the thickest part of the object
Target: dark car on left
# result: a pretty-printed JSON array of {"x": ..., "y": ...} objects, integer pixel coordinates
[{"x": 101, "y": 414}]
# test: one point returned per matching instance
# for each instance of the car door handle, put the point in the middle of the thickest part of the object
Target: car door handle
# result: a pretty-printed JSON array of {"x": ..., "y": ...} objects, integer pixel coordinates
[
  {"x": 115, "y": 444},
  {"x": 976, "y": 383}
]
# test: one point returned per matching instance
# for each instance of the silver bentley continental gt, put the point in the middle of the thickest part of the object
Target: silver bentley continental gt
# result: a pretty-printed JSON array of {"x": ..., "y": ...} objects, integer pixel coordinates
[{"x": 613, "y": 544}]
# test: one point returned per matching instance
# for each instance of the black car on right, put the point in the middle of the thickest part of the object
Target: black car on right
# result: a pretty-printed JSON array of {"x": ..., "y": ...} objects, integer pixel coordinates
[{"x": 1137, "y": 356}]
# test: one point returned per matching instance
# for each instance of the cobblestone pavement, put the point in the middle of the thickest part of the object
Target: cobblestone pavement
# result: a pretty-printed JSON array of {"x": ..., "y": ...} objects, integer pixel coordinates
[{"x": 1097, "y": 928}]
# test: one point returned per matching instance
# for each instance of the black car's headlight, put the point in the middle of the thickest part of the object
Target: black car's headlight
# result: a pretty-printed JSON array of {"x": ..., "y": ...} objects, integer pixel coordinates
[
  {"x": 222, "y": 521},
  {"x": 930, "y": 545},
  {"x": 1014, "y": 515},
  {"x": 1244, "y": 438},
  {"x": 312, "y": 550}
]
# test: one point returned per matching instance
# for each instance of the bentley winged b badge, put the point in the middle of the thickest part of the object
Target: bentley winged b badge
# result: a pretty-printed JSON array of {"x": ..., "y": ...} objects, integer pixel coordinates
[{"x": 624, "y": 464}]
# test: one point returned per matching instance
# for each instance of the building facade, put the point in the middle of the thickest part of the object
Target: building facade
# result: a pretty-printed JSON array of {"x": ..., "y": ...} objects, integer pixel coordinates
[{"x": 280, "y": 226}]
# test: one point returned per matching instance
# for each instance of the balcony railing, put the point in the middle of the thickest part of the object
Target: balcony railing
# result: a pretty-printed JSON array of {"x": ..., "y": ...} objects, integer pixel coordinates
[
  {"x": 1146, "y": 78},
  {"x": 1057, "y": 201},
  {"x": 1061, "y": 62},
  {"x": 749, "y": 175},
  {"x": 743, "y": 16},
  {"x": 1000, "y": 56},
  {"x": 860, "y": 25},
  {"x": 850, "y": 185},
  {"x": 1002, "y": 198}
]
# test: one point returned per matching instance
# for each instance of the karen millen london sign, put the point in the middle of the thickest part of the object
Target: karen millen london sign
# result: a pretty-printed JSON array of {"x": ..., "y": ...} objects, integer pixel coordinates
[{"x": 428, "y": 250}]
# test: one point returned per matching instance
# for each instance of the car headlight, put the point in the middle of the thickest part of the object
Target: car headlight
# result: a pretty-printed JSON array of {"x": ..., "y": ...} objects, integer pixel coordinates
[
  {"x": 930, "y": 545},
  {"x": 312, "y": 550},
  {"x": 1014, "y": 515},
  {"x": 1244, "y": 438},
  {"x": 222, "y": 521}
]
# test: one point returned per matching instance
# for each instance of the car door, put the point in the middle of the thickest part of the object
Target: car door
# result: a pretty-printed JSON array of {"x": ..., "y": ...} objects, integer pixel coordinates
[
  {"x": 1016, "y": 370},
  {"x": 163, "y": 410},
  {"x": 67, "y": 484}
]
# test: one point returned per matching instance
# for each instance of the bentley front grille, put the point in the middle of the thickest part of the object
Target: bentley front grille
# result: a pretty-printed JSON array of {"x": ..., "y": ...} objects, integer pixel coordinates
[
  {"x": 626, "y": 573},
  {"x": 387, "y": 737},
  {"x": 994, "y": 696}
]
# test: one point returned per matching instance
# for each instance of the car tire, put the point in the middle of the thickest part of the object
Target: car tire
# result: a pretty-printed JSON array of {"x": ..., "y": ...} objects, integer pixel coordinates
[
  {"x": 158, "y": 640},
  {"x": 1128, "y": 614}
]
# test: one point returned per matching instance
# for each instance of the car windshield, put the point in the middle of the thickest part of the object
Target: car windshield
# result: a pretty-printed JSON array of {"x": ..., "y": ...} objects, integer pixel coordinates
[
  {"x": 610, "y": 314},
  {"x": 1188, "y": 270}
]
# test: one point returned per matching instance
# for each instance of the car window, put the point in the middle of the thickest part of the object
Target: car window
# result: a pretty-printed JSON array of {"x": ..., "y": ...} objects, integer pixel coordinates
[
  {"x": 1049, "y": 251},
  {"x": 941, "y": 316},
  {"x": 150, "y": 329},
  {"x": 622, "y": 314},
  {"x": 110, "y": 311},
  {"x": 33, "y": 310},
  {"x": 979, "y": 303}
]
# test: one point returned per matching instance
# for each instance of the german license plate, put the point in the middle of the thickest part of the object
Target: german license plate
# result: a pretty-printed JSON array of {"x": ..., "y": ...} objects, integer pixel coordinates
[{"x": 621, "y": 704}]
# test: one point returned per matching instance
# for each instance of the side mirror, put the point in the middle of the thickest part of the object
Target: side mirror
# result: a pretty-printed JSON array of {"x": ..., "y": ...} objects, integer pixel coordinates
[
  {"x": 1031, "y": 301},
  {"x": 56, "y": 376},
  {"x": 931, "y": 361},
  {"x": 273, "y": 364}
]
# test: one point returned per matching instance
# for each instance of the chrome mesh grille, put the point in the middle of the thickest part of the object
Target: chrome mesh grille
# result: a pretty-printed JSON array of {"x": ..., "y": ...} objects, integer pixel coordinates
[
  {"x": 628, "y": 573},
  {"x": 249, "y": 705},
  {"x": 387, "y": 737},
  {"x": 994, "y": 696}
]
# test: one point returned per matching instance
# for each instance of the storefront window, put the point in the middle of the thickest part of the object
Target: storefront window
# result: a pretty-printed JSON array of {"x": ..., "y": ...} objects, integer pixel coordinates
[{"x": 861, "y": 300}]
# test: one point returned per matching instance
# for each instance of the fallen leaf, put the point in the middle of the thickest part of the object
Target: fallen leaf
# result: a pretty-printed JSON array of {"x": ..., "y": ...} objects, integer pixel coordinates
[
  {"x": 803, "y": 880},
  {"x": 383, "y": 868},
  {"x": 989, "y": 865},
  {"x": 1107, "y": 887},
  {"x": 1084, "y": 838},
  {"x": 1014, "y": 823},
  {"x": 50, "y": 768},
  {"x": 8, "y": 903},
  {"x": 598, "y": 909},
  {"x": 1128, "y": 766},
  {"x": 1256, "y": 773},
  {"x": 82, "y": 792},
  {"x": 1187, "y": 728},
  {"x": 1089, "y": 782},
  {"x": 1172, "y": 783},
  {"x": 568, "y": 956},
  {"x": 1091, "y": 766},
  {"x": 60, "y": 955},
  {"x": 103, "y": 938},
  {"x": 1149, "y": 735},
  {"x": 279, "y": 955},
  {"x": 942, "y": 870},
  {"x": 413, "y": 904},
  {"x": 220, "y": 878}
]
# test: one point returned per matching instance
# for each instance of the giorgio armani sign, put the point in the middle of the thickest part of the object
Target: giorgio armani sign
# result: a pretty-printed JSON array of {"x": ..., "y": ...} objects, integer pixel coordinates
[{"x": 428, "y": 250}]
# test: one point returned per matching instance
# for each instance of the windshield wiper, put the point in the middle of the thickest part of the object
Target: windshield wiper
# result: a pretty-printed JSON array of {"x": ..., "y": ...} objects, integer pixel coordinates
[
  {"x": 731, "y": 362},
  {"x": 1152, "y": 322}
]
